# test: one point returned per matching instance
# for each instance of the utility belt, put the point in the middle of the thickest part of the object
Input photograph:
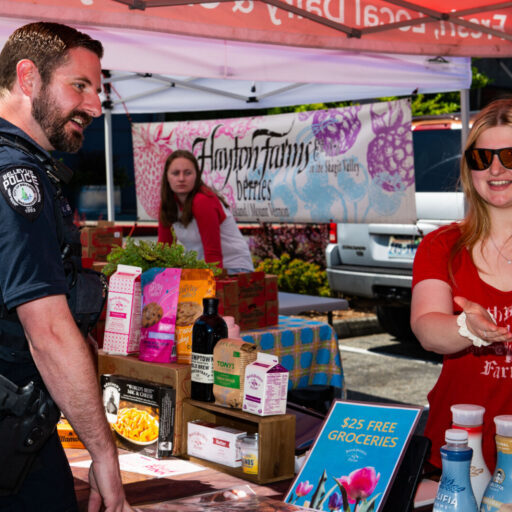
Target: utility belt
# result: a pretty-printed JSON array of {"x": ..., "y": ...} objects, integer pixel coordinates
[{"x": 28, "y": 417}]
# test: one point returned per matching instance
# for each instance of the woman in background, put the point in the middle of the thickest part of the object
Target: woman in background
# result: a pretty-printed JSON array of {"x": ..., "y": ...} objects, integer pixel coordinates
[
  {"x": 200, "y": 218},
  {"x": 462, "y": 287}
]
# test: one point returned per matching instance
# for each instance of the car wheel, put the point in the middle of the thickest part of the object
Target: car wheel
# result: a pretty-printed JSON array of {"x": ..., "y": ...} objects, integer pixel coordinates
[{"x": 396, "y": 321}]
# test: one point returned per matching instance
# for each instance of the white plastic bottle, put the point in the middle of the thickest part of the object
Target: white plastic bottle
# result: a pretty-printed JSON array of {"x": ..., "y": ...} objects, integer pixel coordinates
[
  {"x": 455, "y": 493},
  {"x": 470, "y": 418}
]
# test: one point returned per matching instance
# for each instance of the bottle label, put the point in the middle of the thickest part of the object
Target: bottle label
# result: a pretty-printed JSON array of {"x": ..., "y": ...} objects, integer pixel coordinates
[
  {"x": 201, "y": 368},
  {"x": 250, "y": 463}
]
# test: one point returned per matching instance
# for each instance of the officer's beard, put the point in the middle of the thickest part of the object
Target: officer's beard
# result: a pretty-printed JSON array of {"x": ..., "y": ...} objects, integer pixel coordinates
[{"x": 53, "y": 123}]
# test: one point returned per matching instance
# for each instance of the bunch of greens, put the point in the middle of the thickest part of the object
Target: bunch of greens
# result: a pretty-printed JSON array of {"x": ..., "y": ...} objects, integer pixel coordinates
[{"x": 147, "y": 255}]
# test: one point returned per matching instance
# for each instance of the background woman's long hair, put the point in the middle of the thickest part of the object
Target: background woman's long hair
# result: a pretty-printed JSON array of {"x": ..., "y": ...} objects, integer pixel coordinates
[
  {"x": 477, "y": 223},
  {"x": 169, "y": 209}
]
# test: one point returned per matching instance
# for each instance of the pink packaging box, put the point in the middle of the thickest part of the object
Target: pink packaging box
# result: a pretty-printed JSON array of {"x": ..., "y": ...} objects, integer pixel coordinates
[
  {"x": 123, "y": 318},
  {"x": 266, "y": 386}
]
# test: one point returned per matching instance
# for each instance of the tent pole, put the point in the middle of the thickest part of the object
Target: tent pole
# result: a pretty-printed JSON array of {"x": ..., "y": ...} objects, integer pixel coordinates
[
  {"x": 109, "y": 161},
  {"x": 464, "y": 116}
]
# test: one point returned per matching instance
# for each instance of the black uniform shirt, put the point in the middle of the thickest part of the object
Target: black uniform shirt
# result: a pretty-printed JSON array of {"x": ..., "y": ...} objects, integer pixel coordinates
[{"x": 30, "y": 257}]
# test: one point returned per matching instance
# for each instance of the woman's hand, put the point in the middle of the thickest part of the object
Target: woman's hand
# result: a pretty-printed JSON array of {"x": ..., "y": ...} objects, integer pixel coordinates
[{"x": 481, "y": 323}]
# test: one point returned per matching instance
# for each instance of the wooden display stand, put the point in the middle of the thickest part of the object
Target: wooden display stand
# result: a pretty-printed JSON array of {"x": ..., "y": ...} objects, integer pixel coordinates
[{"x": 276, "y": 434}]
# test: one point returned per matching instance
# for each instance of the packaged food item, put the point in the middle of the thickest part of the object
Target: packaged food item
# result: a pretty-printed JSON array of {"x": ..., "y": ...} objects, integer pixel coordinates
[
  {"x": 160, "y": 289},
  {"x": 123, "y": 319},
  {"x": 67, "y": 435},
  {"x": 215, "y": 443},
  {"x": 141, "y": 414},
  {"x": 266, "y": 386},
  {"x": 249, "y": 453},
  {"x": 230, "y": 359},
  {"x": 195, "y": 285}
]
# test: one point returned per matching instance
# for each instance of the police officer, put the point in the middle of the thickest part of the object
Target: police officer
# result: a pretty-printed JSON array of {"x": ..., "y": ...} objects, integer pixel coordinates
[{"x": 50, "y": 76}]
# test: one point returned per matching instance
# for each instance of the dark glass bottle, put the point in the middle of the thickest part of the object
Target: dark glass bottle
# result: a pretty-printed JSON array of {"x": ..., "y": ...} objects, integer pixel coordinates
[{"x": 208, "y": 329}]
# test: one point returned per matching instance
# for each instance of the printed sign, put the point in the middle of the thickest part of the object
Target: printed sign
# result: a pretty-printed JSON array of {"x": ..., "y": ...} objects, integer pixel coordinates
[
  {"x": 355, "y": 457},
  {"x": 352, "y": 164}
]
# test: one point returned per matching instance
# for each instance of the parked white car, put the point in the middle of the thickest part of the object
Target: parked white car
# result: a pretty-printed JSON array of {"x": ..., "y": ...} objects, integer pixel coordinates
[{"x": 374, "y": 261}]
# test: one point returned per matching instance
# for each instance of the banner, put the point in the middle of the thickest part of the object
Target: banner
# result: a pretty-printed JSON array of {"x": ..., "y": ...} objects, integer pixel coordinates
[{"x": 352, "y": 164}]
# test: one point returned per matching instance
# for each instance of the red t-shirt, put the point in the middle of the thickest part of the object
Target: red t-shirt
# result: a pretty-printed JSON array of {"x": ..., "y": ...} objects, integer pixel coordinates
[{"x": 481, "y": 376}]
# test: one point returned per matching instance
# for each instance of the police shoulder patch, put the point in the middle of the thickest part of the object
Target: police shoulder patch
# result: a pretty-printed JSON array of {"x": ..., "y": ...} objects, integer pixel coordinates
[{"x": 22, "y": 189}]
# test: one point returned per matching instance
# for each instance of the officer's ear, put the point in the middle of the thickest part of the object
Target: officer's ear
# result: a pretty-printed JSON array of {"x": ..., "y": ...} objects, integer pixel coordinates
[{"x": 28, "y": 76}]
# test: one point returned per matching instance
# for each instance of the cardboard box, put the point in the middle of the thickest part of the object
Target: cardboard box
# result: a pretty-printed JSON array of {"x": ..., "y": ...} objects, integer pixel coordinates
[
  {"x": 271, "y": 289},
  {"x": 173, "y": 375},
  {"x": 215, "y": 443},
  {"x": 141, "y": 414},
  {"x": 266, "y": 386},
  {"x": 252, "y": 315},
  {"x": 272, "y": 312},
  {"x": 123, "y": 318},
  {"x": 67, "y": 435},
  {"x": 251, "y": 285},
  {"x": 227, "y": 291}
]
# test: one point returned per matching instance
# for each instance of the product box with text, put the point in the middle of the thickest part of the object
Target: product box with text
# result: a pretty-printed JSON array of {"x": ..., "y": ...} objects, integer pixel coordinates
[
  {"x": 141, "y": 414},
  {"x": 123, "y": 317}
]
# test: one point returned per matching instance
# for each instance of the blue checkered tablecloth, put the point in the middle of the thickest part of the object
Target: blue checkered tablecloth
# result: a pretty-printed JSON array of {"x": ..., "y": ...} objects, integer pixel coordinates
[{"x": 308, "y": 349}]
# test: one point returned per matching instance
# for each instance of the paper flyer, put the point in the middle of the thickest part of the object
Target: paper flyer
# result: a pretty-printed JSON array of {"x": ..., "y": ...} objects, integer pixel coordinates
[{"x": 355, "y": 457}]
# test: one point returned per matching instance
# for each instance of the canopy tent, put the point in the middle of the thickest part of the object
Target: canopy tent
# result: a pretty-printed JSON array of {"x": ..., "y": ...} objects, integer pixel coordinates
[
  {"x": 474, "y": 28},
  {"x": 154, "y": 68}
]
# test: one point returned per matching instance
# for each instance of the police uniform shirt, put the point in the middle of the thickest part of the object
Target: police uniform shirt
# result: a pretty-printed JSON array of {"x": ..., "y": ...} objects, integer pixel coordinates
[{"x": 30, "y": 257}]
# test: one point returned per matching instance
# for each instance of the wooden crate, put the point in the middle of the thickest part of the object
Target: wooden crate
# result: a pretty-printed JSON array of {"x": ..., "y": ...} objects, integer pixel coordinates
[{"x": 276, "y": 434}]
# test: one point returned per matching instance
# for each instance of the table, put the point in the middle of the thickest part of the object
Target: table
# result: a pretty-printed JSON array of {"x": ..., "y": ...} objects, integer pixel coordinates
[
  {"x": 295, "y": 303},
  {"x": 141, "y": 489},
  {"x": 308, "y": 349}
]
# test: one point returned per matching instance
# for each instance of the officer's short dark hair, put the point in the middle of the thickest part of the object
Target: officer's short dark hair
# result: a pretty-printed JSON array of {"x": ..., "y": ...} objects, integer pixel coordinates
[{"x": 46, "y": 45}]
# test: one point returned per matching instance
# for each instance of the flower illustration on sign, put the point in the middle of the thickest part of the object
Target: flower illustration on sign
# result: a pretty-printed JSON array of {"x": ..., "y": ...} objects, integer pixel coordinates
[
  {"x": 303, "y": 488},
  {"x": 359, "y": 485},
  {"x": 335, "y": 501}
]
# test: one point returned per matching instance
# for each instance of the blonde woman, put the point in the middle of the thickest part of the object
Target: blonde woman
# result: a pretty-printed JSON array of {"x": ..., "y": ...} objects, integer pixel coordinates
[{"x": 462, "y": 286}]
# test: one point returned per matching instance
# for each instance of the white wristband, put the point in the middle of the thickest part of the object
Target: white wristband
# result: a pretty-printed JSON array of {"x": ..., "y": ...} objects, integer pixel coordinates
[{"x": 464, "y": 331}]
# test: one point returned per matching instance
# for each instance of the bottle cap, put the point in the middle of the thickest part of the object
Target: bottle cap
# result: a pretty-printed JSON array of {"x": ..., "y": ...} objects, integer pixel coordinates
[
  {"x": 456, "y": 436},
  {"x": 504, "y": 425},
  {"x": 469, "y": 415},
  {"x": 210, "y": 305},
  {"x": 230, "y": 321}
]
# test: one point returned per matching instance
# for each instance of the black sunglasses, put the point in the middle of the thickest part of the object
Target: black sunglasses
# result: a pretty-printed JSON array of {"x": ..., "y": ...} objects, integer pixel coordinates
[{"x": 480, "y": 159}]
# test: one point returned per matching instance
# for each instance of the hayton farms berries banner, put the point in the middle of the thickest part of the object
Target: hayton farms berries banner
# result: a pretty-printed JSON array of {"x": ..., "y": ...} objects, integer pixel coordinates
[{"x": 352, "y": 164}]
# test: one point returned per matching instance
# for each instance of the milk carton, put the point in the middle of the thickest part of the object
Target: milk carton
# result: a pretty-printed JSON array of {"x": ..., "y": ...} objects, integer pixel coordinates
[
  {"x": 266, "y": 386},
  {"x": 123, "y": 319}
]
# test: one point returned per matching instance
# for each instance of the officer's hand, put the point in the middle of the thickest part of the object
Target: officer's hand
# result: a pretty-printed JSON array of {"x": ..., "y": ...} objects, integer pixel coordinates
[{"x": 106, "y": 489}]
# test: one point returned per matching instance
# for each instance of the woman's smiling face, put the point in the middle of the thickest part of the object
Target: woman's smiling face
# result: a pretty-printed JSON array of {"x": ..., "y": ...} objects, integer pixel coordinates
[{"x": 494, "y": 184}]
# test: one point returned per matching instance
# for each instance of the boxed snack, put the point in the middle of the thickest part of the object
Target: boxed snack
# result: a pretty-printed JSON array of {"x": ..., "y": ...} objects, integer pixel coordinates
[
  {"x": 252, "y": 313},
  {"x": 97, "y": 241},
  {"x": 251, "y": 285},
  {"x": 266, "y": 386},
  {"x": 215, "y": 443},
  {"x": 230, "y": 358},
  {"x": 123, "y": 318},
  {"x": 271, "y": 289},
  {"x": 195, "y": 285},
  {"x": 176, "y": 376},
  {"x": 160, "y": 288},
  {"x": 141, "y": 414},
  {"x": 67, "y": 435},
  {"x": 272, "y": 312}
]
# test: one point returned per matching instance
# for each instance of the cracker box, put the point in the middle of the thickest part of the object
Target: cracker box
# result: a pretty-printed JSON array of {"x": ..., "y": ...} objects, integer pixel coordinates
[
  {"x": 67, "y": 435},
  {"x": 140, "y": 413},
  {"x": 266, "y": 386},
  {"x": 215, "y": 443},
  {"x": 195, "y": 285},
  {"x": 123, "y": 317}
]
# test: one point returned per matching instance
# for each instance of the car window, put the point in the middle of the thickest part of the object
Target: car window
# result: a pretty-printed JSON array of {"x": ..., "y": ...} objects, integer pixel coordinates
[{"x": 436, "y": 160}]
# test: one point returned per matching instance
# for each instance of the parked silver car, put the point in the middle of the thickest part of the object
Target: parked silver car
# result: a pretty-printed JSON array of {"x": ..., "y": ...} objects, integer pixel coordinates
[{"x": 374, "y": 261}]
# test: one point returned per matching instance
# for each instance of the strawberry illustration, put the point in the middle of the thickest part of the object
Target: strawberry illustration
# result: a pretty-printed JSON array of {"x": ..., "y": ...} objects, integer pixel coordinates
[
  {"x": 150, "y": 150},
  {"x": 390, "y": 153}
]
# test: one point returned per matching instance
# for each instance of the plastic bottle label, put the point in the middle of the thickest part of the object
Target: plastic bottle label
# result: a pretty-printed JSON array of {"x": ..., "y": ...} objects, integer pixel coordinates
[
  {"x": 250, "y": 463},
  {"x": 201, "y": 368},
  {"x": 499, "y": 490}
]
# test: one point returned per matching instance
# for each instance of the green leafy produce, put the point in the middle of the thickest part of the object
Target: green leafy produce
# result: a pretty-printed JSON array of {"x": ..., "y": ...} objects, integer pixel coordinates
[{"x": 147, "y": 255}]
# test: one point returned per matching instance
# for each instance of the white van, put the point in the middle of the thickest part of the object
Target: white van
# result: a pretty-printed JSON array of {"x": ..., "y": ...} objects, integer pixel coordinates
[{"x": 374, "y": 261}]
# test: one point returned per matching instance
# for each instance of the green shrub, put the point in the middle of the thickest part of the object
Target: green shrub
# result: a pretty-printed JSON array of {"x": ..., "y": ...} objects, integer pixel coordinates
[{"x": 296, "y": 276}]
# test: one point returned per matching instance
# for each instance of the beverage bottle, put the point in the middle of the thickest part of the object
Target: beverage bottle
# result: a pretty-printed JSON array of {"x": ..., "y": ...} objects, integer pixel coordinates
[
  {"x": 208, "y": 329},
  {"x": 455, "y": 492},
  {"x": 233, "y": 327},
  {"x": 470, "y": 418},
  {"x": 499, "y": 490}
]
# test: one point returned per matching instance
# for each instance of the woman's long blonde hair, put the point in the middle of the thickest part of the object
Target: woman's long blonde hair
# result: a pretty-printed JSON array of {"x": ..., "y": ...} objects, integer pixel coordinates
[{"x": 476, "y": 225}]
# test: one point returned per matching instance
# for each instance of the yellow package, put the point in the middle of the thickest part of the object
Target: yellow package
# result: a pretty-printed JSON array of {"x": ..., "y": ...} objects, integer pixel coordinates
[
  {"x": 67, "y": 435},
  {"x": 195, "y": 285}
]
